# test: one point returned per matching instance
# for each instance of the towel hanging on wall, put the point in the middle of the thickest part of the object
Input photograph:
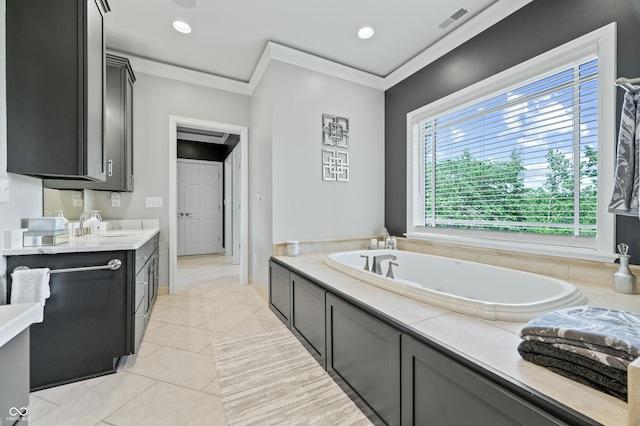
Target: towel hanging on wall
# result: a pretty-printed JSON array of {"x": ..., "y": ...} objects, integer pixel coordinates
[{"x": 624, "y": 200}]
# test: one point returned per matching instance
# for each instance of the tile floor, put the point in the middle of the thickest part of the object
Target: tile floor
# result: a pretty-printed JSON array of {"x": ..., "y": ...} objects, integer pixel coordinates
[{"x": 172, "y": 380}]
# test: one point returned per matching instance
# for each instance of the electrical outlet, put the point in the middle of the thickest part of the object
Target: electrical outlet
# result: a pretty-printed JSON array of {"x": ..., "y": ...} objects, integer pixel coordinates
[
  {"x": 115, "y": 199},
  {"x": 153, "y": 202},
  {"x": 76, "y": 198}
]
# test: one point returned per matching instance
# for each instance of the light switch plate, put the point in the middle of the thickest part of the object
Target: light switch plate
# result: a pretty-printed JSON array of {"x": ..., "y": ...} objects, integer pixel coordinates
[
  {"x": 4, "y": 190},
  {"x": 153, "y": 202}
]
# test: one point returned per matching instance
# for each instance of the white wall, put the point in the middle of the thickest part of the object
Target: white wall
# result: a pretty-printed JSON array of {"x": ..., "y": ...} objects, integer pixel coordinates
[
  {"x": 260, "y": 179},
  {"x": 25, "y": 193},
  {"x": 155, "y": 99},
  {"x": 286, "y": 157},
  {"x": 305, "y": 206}
]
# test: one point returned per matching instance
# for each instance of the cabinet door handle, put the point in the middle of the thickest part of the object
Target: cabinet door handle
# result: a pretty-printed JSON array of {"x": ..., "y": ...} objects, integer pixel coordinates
[
  {"x": 142, "y": 283},
  {"x": 189, "y": 214},
  {"x": 142, "y": 316},
  {"x": 180, "y": 215},
  {"x": 109, "y": 167},
  {"x": 142, "y": 257}
]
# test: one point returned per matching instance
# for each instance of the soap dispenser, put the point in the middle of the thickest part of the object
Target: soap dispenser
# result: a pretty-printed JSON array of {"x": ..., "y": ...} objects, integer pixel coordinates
[
  {"x": 64, "y": 219},
  {"x": 624, "y": 281}
]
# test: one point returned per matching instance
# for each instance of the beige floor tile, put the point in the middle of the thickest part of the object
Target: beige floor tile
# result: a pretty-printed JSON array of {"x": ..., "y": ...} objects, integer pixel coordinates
[
  {"x": 187, "y": 317},
  {"x": 181, "y": 337},
  {"x": 166, "y": 404},
  {"x": 38, "y": 407},
  {"x": 179, "y": 367},
  {"x": 249, "y": 326},
  {"x": 190, "y": 291},
  {"x": 264, "y": 314},
  {"x": 229, "y": 319},
  {"x": 98, "y": 402},
  {"x": 173, "y": 301},
  {"x": 153, "y": 325},
  {"x": 213, "y": 388},
  {"x": 62, "y": 394}
]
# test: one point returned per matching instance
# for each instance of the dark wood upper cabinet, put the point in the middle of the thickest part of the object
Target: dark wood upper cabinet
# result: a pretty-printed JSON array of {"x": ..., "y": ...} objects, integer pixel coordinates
[
  {"x": 118, "y": 134},
  {"x": 55, "y": 88}
]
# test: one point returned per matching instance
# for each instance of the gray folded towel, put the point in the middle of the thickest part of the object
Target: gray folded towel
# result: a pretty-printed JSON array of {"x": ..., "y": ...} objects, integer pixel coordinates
[
  {"x": 607, "y": 331},
  {"x": 575, "y": 367}
]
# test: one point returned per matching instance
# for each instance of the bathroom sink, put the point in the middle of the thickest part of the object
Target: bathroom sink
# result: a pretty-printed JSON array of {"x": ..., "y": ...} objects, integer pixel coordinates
[{"x": 115, "y": 235}]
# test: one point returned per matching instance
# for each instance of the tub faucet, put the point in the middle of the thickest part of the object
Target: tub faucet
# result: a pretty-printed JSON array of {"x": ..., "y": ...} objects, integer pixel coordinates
[
  {"x": 366, "y": 262},
  {"x": 376, "y": 268}
]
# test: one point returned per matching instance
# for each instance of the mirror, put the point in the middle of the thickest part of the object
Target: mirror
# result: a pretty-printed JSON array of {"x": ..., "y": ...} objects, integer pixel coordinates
[{"x": 56, "y": 200}]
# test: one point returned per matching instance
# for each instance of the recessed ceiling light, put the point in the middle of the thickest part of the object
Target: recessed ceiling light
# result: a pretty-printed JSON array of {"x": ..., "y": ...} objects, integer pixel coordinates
[
  {"x": 183, "y": 27},
  {"x": 365, "y": 33}
]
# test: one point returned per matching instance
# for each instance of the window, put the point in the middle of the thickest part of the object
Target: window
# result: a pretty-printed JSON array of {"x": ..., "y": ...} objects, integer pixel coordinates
[{"x": 521, "y": 157}]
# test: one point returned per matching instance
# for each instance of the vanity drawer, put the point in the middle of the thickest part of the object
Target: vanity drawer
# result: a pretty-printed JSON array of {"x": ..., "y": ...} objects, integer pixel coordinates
[{"x": 143, "y": 254}]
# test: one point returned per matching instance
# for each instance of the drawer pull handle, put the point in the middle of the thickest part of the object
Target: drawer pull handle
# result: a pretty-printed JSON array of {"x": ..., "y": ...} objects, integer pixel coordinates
[
  {"x": 142, "y": 257},
  {"x": 142, "y": 316},
  {"x": 142, "y": 283}
]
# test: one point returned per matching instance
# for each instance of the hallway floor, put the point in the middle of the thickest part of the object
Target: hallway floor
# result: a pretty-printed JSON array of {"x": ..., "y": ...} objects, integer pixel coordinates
[{"x": 172, "y": 380}]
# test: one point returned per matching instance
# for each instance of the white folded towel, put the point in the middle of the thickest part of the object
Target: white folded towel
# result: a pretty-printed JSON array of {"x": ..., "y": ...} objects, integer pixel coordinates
[{"x": 30, "y": 285}]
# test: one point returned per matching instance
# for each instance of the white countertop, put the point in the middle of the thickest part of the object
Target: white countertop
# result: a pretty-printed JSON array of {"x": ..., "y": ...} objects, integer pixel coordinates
[
  {"x": 491, "y": 344},
  {"x": 112, "y": 240},
  {"x": 14, "y": 319}
]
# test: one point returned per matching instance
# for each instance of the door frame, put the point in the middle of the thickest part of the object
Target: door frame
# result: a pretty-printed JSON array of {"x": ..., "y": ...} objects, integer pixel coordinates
[
  {"x": 220, "y": 188},
  {"x": 174, "y": 122}
]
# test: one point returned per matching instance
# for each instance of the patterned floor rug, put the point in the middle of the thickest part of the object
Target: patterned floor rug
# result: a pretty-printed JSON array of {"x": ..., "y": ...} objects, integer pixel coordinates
[{"x": 271, "y": 379}]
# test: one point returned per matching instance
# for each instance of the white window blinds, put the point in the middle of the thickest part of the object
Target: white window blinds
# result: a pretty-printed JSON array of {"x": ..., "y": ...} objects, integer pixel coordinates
[{"x": 521, "y": 160}]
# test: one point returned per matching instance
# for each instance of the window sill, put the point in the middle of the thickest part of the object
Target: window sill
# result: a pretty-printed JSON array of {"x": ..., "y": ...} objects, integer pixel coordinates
[{"x": 531, "y": 248}]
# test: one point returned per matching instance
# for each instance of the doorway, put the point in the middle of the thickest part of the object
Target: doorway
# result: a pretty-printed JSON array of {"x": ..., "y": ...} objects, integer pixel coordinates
[
  {"x": 199, "y": 207},
  {"x": 242, "y": 188}
]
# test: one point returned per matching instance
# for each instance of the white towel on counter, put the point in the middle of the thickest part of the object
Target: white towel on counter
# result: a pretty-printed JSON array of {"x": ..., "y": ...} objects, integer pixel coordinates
[{"x": 30, "y": 285}]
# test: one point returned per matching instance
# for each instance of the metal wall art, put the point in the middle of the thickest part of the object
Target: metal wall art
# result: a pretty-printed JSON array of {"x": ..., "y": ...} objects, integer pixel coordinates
[{"x": 335, "y": 162}]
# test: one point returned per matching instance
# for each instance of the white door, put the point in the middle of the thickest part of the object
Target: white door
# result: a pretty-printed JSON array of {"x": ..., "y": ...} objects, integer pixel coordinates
[
  {"x": 200, "y": 207},
  {"x": 228, "y": 204},
  {"x": 235, "y": 221}
]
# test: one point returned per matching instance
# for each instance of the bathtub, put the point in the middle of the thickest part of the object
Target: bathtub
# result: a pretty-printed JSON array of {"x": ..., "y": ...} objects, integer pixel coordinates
[{"x": 470, "y": 288}]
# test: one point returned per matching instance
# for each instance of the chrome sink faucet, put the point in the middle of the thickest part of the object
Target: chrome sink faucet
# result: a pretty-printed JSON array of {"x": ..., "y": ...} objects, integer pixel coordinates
[{"x": 377, "y": 260}]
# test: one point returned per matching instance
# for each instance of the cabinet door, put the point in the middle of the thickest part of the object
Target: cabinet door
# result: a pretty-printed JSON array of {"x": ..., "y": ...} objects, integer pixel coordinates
[
  {"x": 85, "y": 325},
  {"x": 308, "y": 315},
  {"x": 94, "y": 84},
  {"x": 118, "y": 126},
  {"x": 437, "y": 390},
  {"x": 280, "y": 292},
  {"x": 55, "y": 85},
  {"x": 365, "y": 354}
]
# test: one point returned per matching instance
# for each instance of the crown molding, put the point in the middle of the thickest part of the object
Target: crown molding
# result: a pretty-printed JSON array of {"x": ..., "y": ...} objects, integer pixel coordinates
[
  {"x": 159, "y": 69},
  {"x": 274, "y": 51},
  {"x": 485, "y": 19},
  {"x": 278, "y": 52}
]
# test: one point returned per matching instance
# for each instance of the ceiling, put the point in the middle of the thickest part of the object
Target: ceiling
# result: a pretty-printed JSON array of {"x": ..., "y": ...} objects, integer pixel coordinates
[{"x": 229, "y": 36}]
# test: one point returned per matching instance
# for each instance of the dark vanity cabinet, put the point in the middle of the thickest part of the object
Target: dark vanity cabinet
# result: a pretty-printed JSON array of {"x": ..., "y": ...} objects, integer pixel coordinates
[
  {"x": 435, "y": 387},
  {"x": 280, "y": 292},
  {"x": 118, "y": 133},
  {"x": 85, "y": 327},
  {"x": 365, "y": 354},
  {"x": 55, "y": 88},
  {"x": 395, "y": 376},
  {"x": 145, "y": 289},
  {"x": 93, "y": 317},
  {"x": 308, "y": 315}
]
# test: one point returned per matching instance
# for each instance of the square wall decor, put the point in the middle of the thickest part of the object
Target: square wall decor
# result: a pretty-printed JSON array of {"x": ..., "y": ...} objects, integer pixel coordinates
[
  {"x": 335, "y": 161},
  {"x": 335, "y": 165},
  {"x": 335, "y": 131}
]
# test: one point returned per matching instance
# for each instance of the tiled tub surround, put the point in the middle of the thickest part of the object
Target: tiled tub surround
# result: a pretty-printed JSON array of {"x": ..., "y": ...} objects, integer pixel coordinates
[{"x": 493, "y": 344}]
